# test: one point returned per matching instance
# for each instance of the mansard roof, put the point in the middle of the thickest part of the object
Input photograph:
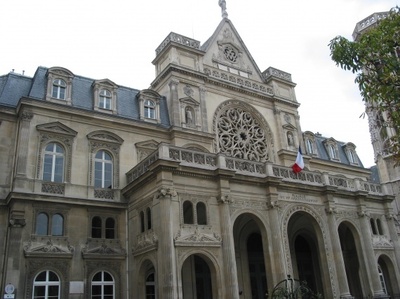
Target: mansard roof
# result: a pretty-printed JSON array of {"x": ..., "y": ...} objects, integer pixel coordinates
[{"x": 14, "y": 86}]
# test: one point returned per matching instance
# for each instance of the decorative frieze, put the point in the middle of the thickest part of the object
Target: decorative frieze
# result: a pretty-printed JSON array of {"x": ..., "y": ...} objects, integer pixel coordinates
[{"x": 198, "y": 239}]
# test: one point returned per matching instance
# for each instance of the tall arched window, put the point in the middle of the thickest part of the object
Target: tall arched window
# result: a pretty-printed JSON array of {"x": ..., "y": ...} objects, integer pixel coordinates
[
  {"x": 105, "y": 99},
  {"x": 110, "y": 228},
  {"x": 57, "y": 225},
  {"x": 187, "y": 212},
  {"x": 150, "y": 286},
  {"x": 148, "y": 215},
  {"x": 42, "y": 224},
  {"x": 103, "y": 286},
  {"x": 142, "y": 228},
  {"x": 46, "y": 285},
  {"x": 53, "y": 164},
  {"x": 379, "y": 226},
  {"x": 59, "y": 87},
  {"x": 103, "y": 170},
  {"x": 309, "y": 147},
  {"x": 201, "y": 213},
  {"x": 373, "y": 227},
  {"x": 96, "y": 227}
]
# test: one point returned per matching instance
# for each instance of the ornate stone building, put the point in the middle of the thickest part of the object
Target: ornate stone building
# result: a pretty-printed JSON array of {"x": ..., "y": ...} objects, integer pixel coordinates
[{"x": 185, "y": 189}]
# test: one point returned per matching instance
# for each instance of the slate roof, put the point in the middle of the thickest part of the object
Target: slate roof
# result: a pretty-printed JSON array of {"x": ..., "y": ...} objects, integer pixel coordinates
[{"x": 14, "y": 86}]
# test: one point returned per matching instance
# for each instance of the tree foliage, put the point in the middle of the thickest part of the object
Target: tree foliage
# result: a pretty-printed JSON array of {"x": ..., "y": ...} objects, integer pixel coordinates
[{"x": 375, "y": 59}]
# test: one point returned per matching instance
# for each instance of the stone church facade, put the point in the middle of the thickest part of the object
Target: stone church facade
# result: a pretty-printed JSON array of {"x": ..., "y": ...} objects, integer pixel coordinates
[{"x": 185, "y": 189}]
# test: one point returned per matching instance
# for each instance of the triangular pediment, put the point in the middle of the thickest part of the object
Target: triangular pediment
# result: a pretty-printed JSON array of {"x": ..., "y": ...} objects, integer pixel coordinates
[
  {"x": 105, "y": 136},
  {"x": 105, "y": 83},
  {"x": 56, "y": 127},
  {"x": 226, "y": 50},
  {"x": 148, "y": 144},
  {"x": 189, "y": 101},
  {"x": 289, "y": 127}
]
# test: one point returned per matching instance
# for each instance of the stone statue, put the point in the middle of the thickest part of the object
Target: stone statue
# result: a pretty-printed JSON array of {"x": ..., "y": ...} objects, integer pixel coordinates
[{"x": 222, "y": 3}]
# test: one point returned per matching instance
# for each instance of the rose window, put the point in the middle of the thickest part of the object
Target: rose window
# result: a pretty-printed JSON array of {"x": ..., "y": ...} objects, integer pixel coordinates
[{"x": 240, "y": 136}]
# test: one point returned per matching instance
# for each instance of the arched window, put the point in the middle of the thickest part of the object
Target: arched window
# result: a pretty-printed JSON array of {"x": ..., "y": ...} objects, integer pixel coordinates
[
  {"x": 150, "y": 286},
  {"x": 59, "y": 87},
  {"x": 382, "y": 280},
  {"x": 42, "y": 224},
  {"x": 187, "y": 212},
  {"x": 373, "y": 227},
  {"x": 53, "y": 164},
  {"x": 201, "y": 213},
  {"x": 103, "y": 170},
  {"x": 105, "y": 99},
  {"x": 96, "y": 227},
  {"x": 332, "y": 151},
  {"x": 103, "y": 286},
  {"x": 57, "y": 225},
  {"x": 148, "y": 215},
  {"x": 149, "y": 109},
  {"x": 309, "y": 147},
  {"x": 142, "y": 228},
  {"x": 110, "y": 228},
  {"x": 46, "y": 285},
  {"x": 379, "y": 226}
]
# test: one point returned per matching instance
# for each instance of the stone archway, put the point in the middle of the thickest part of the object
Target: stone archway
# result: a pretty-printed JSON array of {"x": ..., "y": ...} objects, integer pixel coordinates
[
  {"x": 351, "y": 259},
  {"x": 307, "y": 251},
  {"x": 197, "y": 278},
  {"x": 387, "y": 274},
  {"x": 252, "y": 262}
]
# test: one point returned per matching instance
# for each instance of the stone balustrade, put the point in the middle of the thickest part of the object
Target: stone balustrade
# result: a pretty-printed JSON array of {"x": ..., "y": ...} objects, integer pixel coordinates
[{"x": 210, "y": 161}]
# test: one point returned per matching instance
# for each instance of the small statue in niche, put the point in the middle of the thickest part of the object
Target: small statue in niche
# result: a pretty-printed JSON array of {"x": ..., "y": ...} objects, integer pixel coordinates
[
  {"x": 290, "y": 139},
  {"x": 189, "y": 116}
]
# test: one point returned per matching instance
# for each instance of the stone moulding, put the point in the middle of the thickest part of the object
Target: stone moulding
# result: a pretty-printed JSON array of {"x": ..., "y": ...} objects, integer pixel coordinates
[
  {"x": 49, "y": 248},
  {"x": 198, "y": 239}
]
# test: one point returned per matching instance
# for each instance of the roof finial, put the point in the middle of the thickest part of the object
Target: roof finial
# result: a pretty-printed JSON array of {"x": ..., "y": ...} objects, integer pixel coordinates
[{"x": 222, "y": 3}]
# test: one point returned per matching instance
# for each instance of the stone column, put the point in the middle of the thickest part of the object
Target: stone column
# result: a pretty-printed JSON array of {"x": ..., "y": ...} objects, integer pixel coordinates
[
  {"x": 277, "y": 257},
  {"x": 166, "y": 254},
  {"x": 228, "y": 250},
  {"x": 370, "y": 261},
  {"x": 23, "y": 143},
  {"x": 203, "y": 109},
  {"x": 337, "y": 252}
]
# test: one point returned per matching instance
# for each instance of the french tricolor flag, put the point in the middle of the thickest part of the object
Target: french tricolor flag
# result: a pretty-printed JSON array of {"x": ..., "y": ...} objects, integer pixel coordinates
[{"x": 299, "y": 164}]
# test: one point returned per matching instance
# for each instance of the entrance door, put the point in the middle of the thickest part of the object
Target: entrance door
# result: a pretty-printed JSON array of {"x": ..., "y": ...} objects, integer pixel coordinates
[
  {"x": 196, "y": 279},
  {"x": 258, "y": 277}
]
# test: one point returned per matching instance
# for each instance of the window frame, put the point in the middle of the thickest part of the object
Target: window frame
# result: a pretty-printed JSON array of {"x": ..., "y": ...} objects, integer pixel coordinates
[
  {"x": 50, "y": 225},
  {"x": 102, "y": 229},
  {"x": 193, "y": 209},
  {"x": 102, "y": 283},
  {"x": 107, "y": 176},
  {"x": 53, "y": 154},
  {"x": 105, "y": 99},
  {"x": 46, "y": 284},
  {"x": 59, "y": 89},
  {"x": 149, "y": 112},
  {"x": 53, "y": 76}
]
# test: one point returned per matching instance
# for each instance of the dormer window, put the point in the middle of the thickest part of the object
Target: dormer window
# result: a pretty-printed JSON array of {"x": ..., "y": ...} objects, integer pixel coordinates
[
  {"x": 59, "y": 87},
  {"x": 105, "y": 96},
  {"x": 105, "y": 99},
  {"x": 331, "y": 148},
  {"x": 149, "y": 103},
  {"x": 309, "y": 147},
  {"x": 350, "y": 150},
  {"x": 149, "y": 109}
]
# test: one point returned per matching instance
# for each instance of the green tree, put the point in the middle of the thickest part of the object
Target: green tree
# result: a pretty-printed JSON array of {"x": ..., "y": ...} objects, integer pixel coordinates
[{"x": 375, "y": 59}]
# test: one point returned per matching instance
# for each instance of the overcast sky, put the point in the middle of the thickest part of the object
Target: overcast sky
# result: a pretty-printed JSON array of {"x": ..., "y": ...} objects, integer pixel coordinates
[{"x": 117, "y": 40}]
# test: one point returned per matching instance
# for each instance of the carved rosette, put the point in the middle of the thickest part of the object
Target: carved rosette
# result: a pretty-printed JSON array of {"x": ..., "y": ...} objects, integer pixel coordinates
[{"x": 242, "y": 132}]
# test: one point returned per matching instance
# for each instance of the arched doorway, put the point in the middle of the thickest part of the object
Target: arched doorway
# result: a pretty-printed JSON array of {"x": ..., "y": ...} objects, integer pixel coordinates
[
  {"x": 306, "y": 249},
  {"x": 387, "y": 276},
  {"x": 351, "y": 260},
  {"x": 196, "y": 278},
  {"x": 250, "y": 258}
]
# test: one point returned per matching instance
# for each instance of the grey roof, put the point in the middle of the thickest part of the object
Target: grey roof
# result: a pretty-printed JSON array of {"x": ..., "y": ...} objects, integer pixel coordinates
[
  {"x": 323, "y": 154},
  {"x": 14, "y": 86}
]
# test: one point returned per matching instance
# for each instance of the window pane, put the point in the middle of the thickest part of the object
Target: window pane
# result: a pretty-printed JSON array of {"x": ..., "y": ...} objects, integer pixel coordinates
[
  {"x": 96, "y": 291},
  {"x": 96, "y": 228},
  {"x": 42, "y": 222},
  {"x": 108, "y": 290},
  {"x": 53, "y": 291},
  {"x": 187, "y": 212},
  {"x": 97, "y": 277},
  {"x": 108, "y": 277},
  {"x": 47, "y": 167},
  {"x": 148, "y": 212},
  {"x": 53, "y": 276},
  {"x": 41, "y": 276},
  {"x": 142, "y": 228},
  {"x": 57, "y": 225},
  {"x": 201, "y": 213},
  {"x": 39, "y": 292},
  {"x": 110, "y": 228}
]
